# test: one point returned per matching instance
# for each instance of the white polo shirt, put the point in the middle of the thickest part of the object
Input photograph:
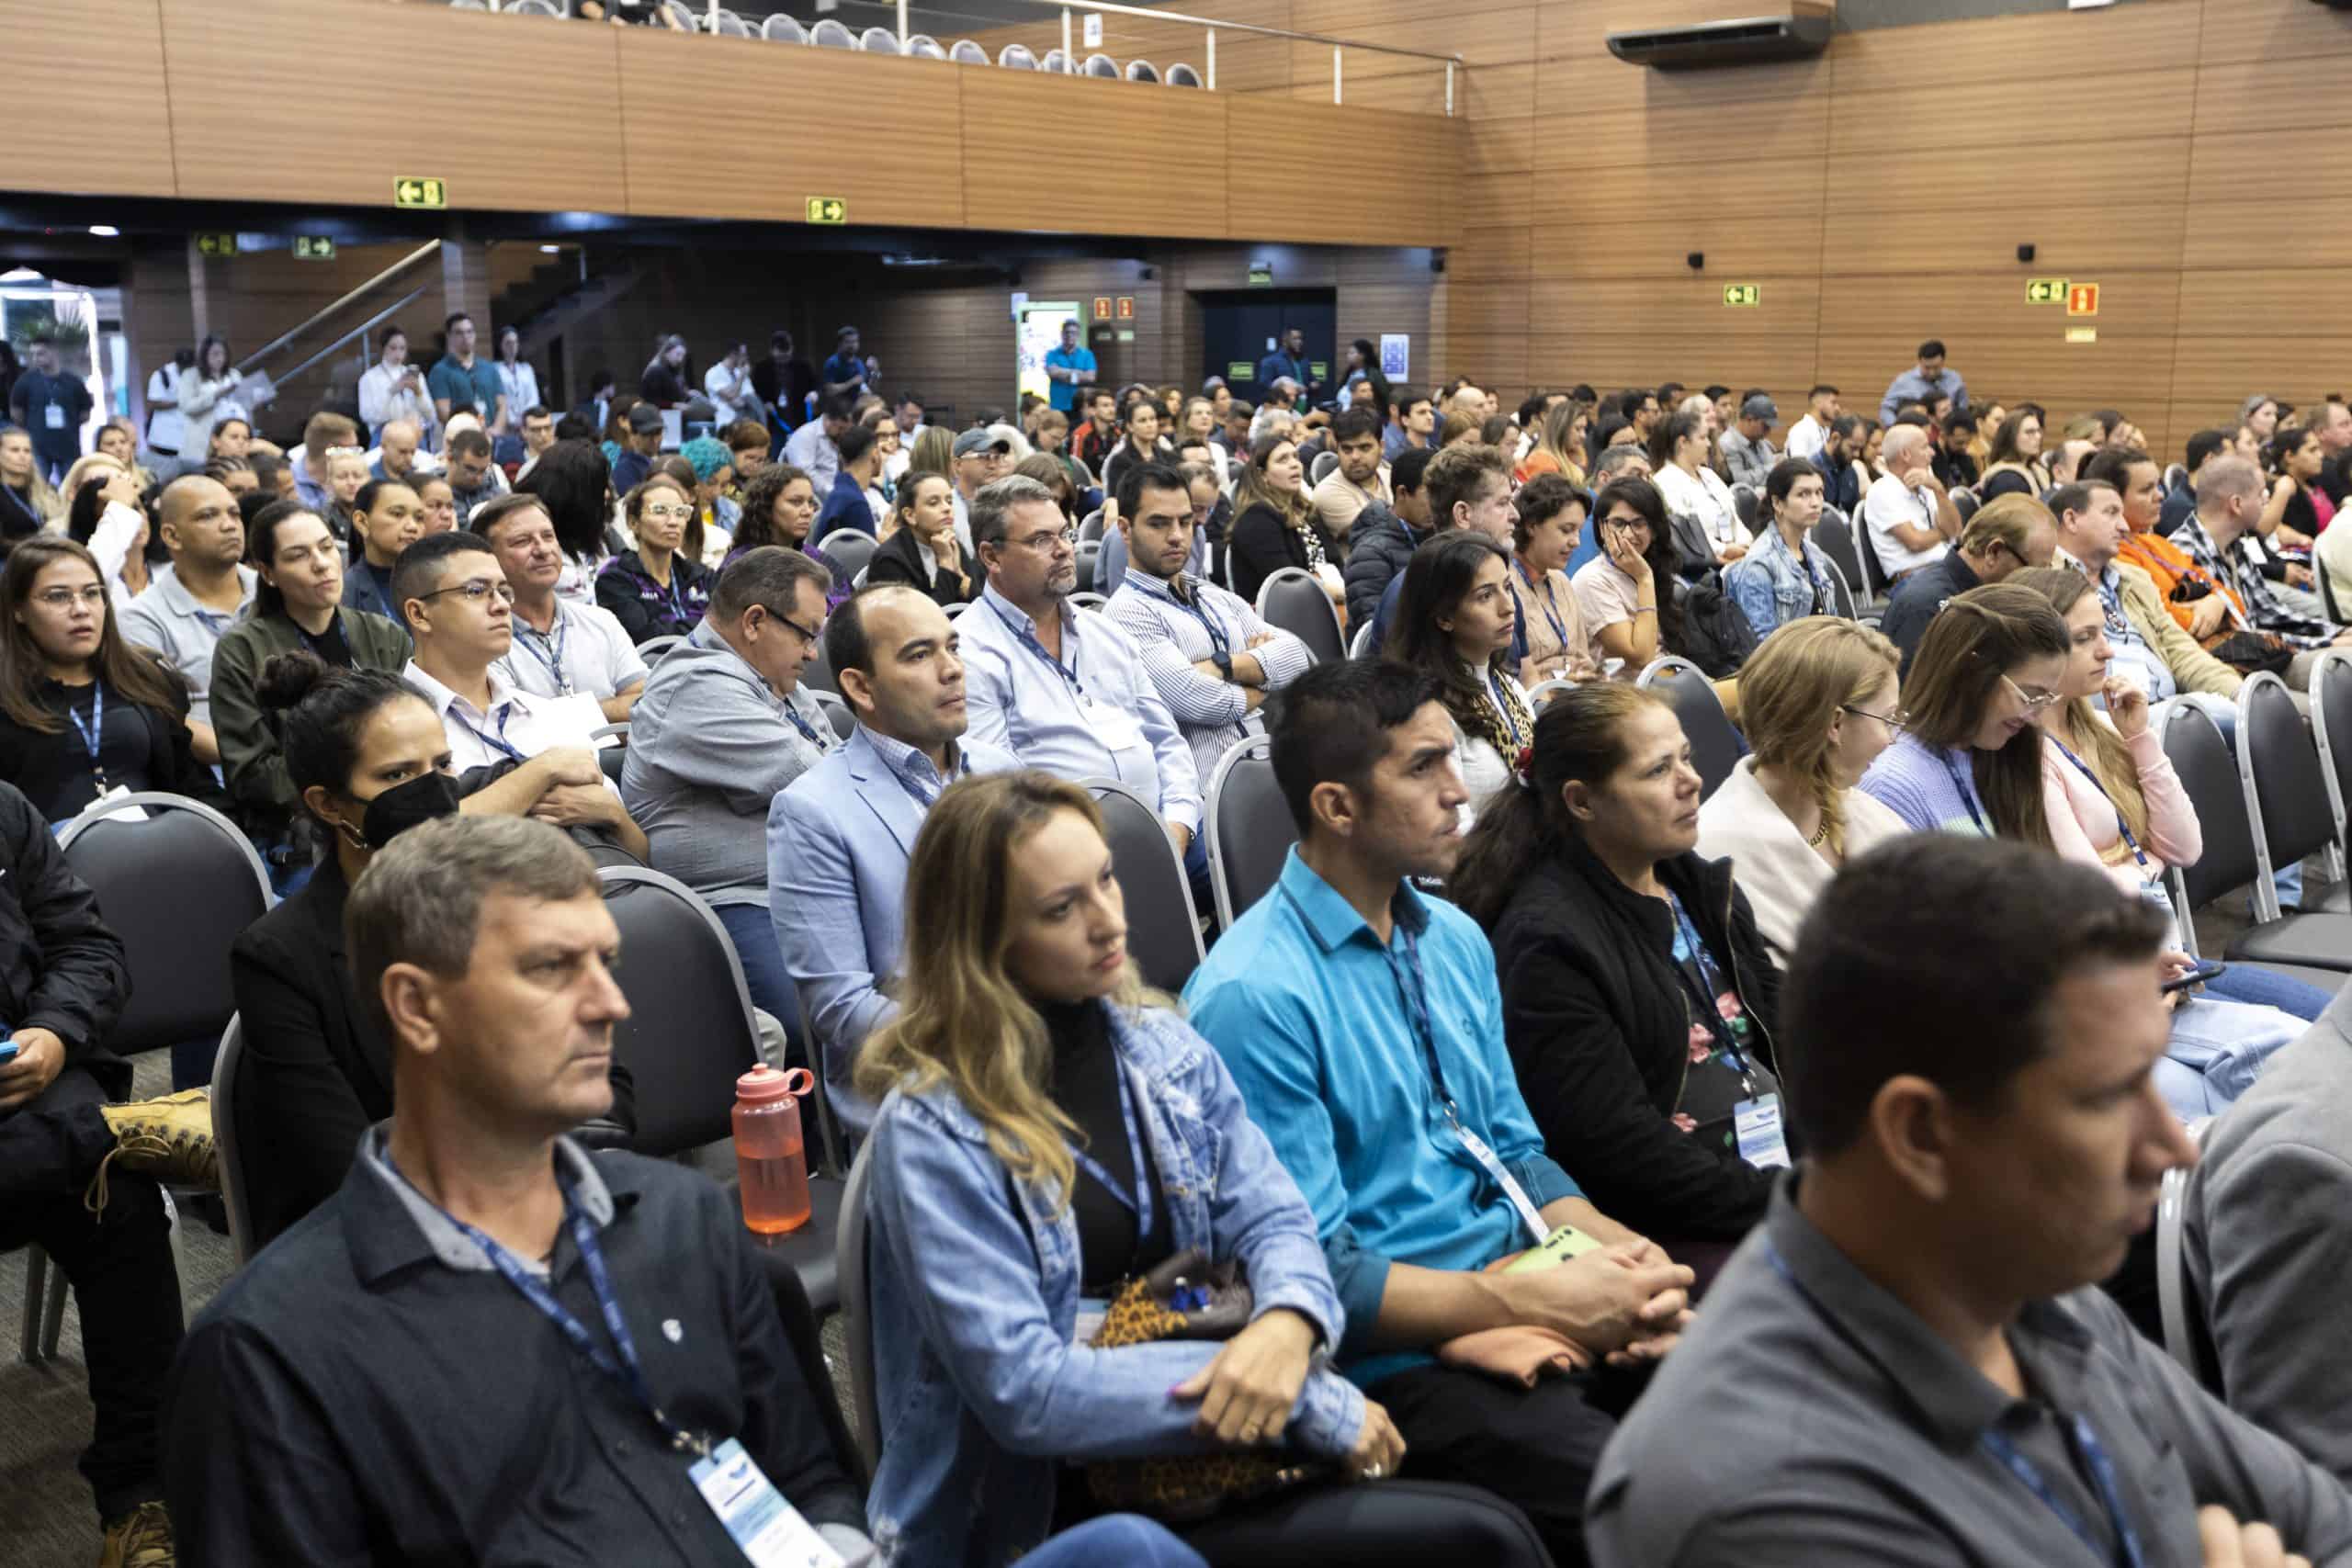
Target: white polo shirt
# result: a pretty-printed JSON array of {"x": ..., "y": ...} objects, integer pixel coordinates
[
  {"x": 584, "y": 651},
  {"x": 1889, "y": 502}
]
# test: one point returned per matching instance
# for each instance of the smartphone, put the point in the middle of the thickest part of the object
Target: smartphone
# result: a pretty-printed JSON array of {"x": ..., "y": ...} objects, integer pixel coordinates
[
  {"x": 2208, "y": 970},
  {"x": 1558, "y": 1248},
  {"x": 7, "y": 1052}
]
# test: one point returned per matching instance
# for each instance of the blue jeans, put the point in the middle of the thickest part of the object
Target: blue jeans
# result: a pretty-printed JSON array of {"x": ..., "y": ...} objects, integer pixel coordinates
[
  {"x": 1125, "y": 1539},
  {"x": 2266, "y": 987},
  {"x": 1196, "y": 872},
  {"x": 754, "y": 934}
]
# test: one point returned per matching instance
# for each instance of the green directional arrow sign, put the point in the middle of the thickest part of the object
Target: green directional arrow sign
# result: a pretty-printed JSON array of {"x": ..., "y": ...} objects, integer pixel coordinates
[
  {"x": 827, "y": 209},
  {"x": 415, "y": 190}
]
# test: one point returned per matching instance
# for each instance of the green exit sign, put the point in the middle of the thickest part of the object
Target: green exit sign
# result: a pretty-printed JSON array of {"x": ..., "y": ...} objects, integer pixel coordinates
[
  {"x": 1743, "y": 294},
  {"x": 827, "y": 209},
  {"x": 216, "y": 244},
  {"x": 2045, "y": 290},
  {"x": 1240, "y": 370},
  {"x": 419, "y": 190},
  {"x": 313, "y": 247}
]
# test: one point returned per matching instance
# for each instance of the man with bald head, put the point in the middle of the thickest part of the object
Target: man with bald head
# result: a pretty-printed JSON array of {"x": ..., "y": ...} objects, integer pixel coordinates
[
  {"x": 1909, "y": 517},
  {"x": 398, "y": 458},
  {"x": 190, "y": 603}
]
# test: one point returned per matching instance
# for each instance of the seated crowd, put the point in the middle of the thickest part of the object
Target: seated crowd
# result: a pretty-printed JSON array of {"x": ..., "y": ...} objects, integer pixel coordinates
[{"x": 1571, "y": 1157}]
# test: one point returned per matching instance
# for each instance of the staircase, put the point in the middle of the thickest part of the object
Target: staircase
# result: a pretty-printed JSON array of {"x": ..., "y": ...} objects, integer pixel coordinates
[{"x": 553, "y": 299}]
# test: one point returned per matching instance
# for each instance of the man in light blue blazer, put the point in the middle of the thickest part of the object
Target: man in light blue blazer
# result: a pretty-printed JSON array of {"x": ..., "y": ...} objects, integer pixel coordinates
[{"x": 840, "y": 836}]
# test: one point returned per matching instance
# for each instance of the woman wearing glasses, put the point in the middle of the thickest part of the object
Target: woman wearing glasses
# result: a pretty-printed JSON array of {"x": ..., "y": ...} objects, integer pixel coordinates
[
  {"x": 1639, "y": 1001},
  {"x": 1820, "y": 702},
  {"x": 656, "y": 590},
  {"x": 83, "y": 714},
  {"x": 1991, "y": 660}
]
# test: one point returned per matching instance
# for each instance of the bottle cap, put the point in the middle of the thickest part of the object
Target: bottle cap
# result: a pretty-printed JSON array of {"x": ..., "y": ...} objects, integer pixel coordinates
[{"x": 763, "y": 1084}]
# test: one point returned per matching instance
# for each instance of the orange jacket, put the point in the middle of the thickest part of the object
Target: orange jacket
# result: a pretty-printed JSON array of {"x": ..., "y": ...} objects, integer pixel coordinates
[{"x": 2168, "y": 564}]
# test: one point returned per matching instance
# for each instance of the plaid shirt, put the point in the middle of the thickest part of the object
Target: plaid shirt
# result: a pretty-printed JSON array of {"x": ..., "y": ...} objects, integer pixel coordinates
[{"x": 2236, "y": 571}]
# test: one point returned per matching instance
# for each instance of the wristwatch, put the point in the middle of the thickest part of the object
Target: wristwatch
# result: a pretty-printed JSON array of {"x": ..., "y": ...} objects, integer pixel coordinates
[{"x": 1224, "y": 662}]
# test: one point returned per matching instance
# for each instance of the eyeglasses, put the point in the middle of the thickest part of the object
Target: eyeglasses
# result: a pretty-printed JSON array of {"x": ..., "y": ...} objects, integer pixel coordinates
[
  {"x": 806, "y": 634},
  {"x": 2033, "y": 704},
  {"x": 66, "y": 598},
  {"x": 679, "y": 513},
  {"x": 480, "y": 589},
  {"x": 1898, "y": 719},
  {"x": 1044, "y": 543}
]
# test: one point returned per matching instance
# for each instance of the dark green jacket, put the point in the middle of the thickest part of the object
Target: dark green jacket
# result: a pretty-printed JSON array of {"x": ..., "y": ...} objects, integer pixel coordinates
[{"x": 250, "y": 755}]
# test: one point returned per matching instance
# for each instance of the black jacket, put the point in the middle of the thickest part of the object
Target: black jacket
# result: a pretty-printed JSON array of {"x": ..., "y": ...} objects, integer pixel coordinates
[
  {"x": 1594, "y": 1014},
  {"x": 53, "y": 766},
  {"x": 60, "y": 968},
  {"x": 1378, "y": 546},
  {"x": 316, "y": 1074},
  {"x": 899, "y": 559},
  {"x": 1263, "y": 543},
  {"x": 1918, "y": 597}
]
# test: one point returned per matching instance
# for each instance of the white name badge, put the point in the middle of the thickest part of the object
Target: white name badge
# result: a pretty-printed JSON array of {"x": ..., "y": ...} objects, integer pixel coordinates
[
  {"x": 54, "y": 416},
  {"x": 769, "y": 1530},
  {"x": 1757, "y": 1123},
  {"x": 1529, "y": 1215}
]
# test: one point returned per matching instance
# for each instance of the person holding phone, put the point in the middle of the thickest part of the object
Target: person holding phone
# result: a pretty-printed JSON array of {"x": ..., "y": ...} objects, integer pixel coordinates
[{"x": 1621, "y": 592}]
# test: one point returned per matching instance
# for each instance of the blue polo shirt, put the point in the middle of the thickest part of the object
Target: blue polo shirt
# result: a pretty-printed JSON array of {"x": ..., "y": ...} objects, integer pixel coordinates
[
  {"x": 1064, "y": 394},
  {"x": 1308, "y": 1011},
  {"x": 477, "y": 389},
  {"x": 846, "y": 507}
]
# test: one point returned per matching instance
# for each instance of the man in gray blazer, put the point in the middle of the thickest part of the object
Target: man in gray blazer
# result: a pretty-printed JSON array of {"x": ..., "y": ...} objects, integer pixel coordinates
[
  {"x": 2265, "y": 1237},
  {"x": 840, "y": 836}
]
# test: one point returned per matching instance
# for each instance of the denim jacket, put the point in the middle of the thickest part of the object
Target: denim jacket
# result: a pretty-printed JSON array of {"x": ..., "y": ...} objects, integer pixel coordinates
[
  {"x": 981, "y": 1385},
  {"x": 1772, "y": 587}
]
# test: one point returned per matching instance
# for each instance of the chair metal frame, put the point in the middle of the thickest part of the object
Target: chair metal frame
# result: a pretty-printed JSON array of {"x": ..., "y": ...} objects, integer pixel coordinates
[
  {"x": 1299, "y": 573},
  {"x": 856, "y": 1306},
  {"x": 781, "y": 28},
  {"x": 2334, "y": 665},
  {"x": 1101, "y": 787},
  {"x": 1360, "y": 641},
  {"x": 2174, "y": 1307},
  {"x": 99, "y": 811},
  {"x": 236, "y": 1196},
  {"x": 879, "y": 40},
  {"x": 840, "y": 29},
  {"x": 978, "y": 53},
  {"x": 2267, "y": 907},
  {"x": 1256, "y": 747}
]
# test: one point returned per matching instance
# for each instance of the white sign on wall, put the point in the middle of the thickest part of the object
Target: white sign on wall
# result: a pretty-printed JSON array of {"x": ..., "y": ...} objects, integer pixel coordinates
[
  {"x": 1093, "y": 36},
  {"x": 1395, "y": 355}
]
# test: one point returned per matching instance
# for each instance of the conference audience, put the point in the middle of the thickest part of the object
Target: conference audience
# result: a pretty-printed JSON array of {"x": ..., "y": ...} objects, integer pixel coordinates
[
  {"x": 2144, "y": 636},
  {"x": 573, "y": 480},
  {"x": 104, "y": 515},
  {"x": 298, "y": 603},
  {"x": 1639, "y": 1001},
  {"x": 1785, "y": 576},
  {"x": 1906, "y": 1364},
  {"x": 1909, "y": 518},
  {"x": 860, "y": 465},
  {"x": 1275, "y": 524},
  {"x": 301, "y": 1433},
  {"x": 1016, "y": 937},
  {"x": 387, "y": 517},
  {"x": 839, "y": 836},
  {"x": 2215, "y": 541},
  {"x": 2004, "y": 537},
  {"x": 1692, "y": 489},
  {"x": 2013, "y": 464},
  {"x": 657, "y": 588},
  {"x": 1357, "y": 480},
  {"x": 922, "y": 549},
  {"x": 1548, "y": 641},
  {"x": 1817, "y": 705},
  {"x": 1468, "y": 487},
  {"x": 367, "y": 758},
  {"x": 1066, "y": 693},
  {"x": 1625, "y": 593},
  {"x": 1455, "y": 622},
  {"x": 1362, "y": 1023},
  {"x": 562, "y": 648},
  {"x": 193, "y": 600},
  {"x": 726, "y": 722},
  {"x": 1209, "y": 657},
  {"x": 1383, "y": 541}
]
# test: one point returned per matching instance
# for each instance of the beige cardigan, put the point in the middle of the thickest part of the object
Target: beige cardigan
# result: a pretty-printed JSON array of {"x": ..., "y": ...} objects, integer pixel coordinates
[{"x": 1782, "y": 873}]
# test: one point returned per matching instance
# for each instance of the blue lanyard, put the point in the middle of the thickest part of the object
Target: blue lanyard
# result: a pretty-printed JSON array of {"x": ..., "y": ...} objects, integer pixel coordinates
[
  {"x": 1138, "y": 1203},
  {"x": 1967, "y": 788},
  {"x": 93, "y": 733},
  {"x": 1028, "y": 639},
  {"x": 1709, "y": 985},
  {"x": 2102, "y": 1471},
  {"x": 1218, "y": 641},
  {"x": 551, "y": 653},
  {"x": 1559, "y": 627},
  {"x": 1502, "y": 711},
  {"x": 497, "y": 742},
  {"x": 627, "y": 1371},
  {"x": 801, "y": 725},
  {"x": 1412, "y": 988},
  {"x": 2120, "y": 825}
]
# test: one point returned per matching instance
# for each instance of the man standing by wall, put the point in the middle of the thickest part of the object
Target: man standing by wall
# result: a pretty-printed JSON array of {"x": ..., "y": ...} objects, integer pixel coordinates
[
  {"x": 52, "y": 406},
  {"x": 1068, "y": 368}
]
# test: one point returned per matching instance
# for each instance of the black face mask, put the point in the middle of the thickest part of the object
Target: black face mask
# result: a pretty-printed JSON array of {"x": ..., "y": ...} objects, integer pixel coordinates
[{"x": 402, "y": 807}]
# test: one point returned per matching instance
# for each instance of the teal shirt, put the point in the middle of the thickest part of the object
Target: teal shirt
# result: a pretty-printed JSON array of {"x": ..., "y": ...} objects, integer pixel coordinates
[
  {"x": 478, "y": 387},
  {"x": 1309, "y": 1015},
  {"x": 1064, "y": 394}
]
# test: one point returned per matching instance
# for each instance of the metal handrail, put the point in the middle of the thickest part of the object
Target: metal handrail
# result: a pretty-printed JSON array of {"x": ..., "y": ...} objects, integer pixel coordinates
[
  {"x": 1155, "y": 14},
  {"x": 361, "y": 330},
  {"x": 318, "y": 315}
]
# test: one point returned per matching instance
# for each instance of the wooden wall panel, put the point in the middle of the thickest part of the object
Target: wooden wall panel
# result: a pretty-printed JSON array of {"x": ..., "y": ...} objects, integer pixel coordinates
[
  {"x": 1004, "y": 188},
  {"x": 2089, "y": 108},
  {"x": 762, "y": 93},
  {"x": 266, "y": 104},
  {"x": 2078, "y": 48},
  {"x": 2133, "y": 304},
  {"x": 2068, "y": 241},
  {"x": 1737, "y": 250},
  {"x": 1425, "y": 161},
  {"x": 1602, "y": 84},
  {"x": 2263, "y": 29},
  {"x": 1691, "y": 307},
  {"x": 111, "y": 54}
]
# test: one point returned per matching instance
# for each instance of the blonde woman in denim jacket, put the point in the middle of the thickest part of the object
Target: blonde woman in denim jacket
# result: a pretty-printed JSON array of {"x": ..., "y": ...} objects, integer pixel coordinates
[{"x": 1025, "y": 1080}]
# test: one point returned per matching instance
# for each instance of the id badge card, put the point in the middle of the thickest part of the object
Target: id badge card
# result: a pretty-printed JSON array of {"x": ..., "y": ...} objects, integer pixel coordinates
[
  {"x": 1092, "y": 1312},
  {"x": 1757, "y": 1123},
  {"x": 54, "y": 416},
  {"x": 768, "y": 1530},
  {"x": 1490, "y": 1162},
  {"x": 1115, "y": 728}
]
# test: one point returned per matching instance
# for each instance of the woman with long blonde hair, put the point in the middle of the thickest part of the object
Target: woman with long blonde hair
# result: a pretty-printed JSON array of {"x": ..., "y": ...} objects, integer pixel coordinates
[
  {"x": 1049, "y": 1132},
  {"x": 1820, "y": 702},
  {"x": 1559, "y": 445}
]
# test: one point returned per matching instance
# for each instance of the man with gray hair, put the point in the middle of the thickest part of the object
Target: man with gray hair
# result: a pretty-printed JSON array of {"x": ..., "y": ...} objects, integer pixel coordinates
[
  {"x": 1908, "y": 517},
  {"x": 491, "y": 1342},
  {"x": 725, "y": 724},
  {"x": 1062, "y": 692}
]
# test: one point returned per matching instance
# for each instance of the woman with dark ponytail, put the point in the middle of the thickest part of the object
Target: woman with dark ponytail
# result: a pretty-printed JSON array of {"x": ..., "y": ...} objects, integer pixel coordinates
[
  {"x": 1639, "y": 1001},
  {"x": 368, "y": 760}
]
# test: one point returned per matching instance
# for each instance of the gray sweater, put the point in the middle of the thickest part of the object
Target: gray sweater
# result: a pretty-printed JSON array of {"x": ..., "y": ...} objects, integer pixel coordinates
[
  {"x": 2267, "y": 1242},
  {"x": 709, "y": 745}
]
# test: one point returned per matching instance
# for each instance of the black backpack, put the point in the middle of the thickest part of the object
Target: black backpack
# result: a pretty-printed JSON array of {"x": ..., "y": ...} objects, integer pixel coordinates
[{"x": 1715, "y": 633}]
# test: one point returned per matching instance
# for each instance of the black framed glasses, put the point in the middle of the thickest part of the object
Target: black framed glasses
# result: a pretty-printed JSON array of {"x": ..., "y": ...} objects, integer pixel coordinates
[
  {"x": 480, "y": 589},
  {"x": 807, "y": 635}
]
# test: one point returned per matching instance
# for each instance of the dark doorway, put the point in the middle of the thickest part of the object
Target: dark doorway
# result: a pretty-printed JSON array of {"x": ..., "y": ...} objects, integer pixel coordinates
[{"x": 1239, "y": 328}]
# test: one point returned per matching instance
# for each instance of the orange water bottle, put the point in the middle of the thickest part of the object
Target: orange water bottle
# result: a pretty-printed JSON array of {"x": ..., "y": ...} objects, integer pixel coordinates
[{"x": 771, "y": 1161}]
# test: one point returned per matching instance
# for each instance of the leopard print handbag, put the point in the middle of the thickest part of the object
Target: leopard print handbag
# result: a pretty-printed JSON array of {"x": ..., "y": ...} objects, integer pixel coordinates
[{"x": 1188, "y": 1297}]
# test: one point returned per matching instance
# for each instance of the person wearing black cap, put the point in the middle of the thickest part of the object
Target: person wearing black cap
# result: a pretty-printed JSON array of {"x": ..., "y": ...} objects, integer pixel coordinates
[
  {"x": 1746, "y": 447},
  {"x": 637, "y": 452}
]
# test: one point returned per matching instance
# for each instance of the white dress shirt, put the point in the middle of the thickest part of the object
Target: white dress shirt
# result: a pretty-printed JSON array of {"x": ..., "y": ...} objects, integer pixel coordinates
[
  {"x": 584, "y": 651},
  {"x": 517, "y": 728}
]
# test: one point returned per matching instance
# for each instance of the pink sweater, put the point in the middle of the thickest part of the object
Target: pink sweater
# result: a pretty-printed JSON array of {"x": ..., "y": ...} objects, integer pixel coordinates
[{"x": 2083, "y": 821}]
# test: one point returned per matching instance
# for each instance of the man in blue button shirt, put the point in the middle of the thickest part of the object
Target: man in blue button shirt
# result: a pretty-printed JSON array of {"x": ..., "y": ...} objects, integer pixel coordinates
[
  {"x": 1362, "y": 1022},
  {"x": 1067, "y": 369}
]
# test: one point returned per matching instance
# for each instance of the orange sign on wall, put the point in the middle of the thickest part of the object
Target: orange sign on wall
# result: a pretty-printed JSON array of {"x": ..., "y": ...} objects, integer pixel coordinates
[
  {"x": 2082, "y": 300},
  {"x": 1126, "y": 306},
  {"x": 1102, "y": 307}
]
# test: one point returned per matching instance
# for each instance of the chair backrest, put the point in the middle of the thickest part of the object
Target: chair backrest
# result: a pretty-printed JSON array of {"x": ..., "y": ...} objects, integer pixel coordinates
[
  {"x": 858, "y": 1310},
  {"x": 830, "y": 34},
  {"x": 1841, "y": 595},
  {"x": 1182, "y": 75},
  {"x": 1965, "y": 501},
  {"x": 1715, "y": 746},
  {"x": 781, "y": 28},
  {"x": 690, "y": 1034},
  {"x": 1016, "y": 57},
  {"x": 1743, "y": 505},
  {"x": 923, "y": 46},
  {"x": 2208, "y": 776},
  {"x": 727, "y": 24},
  {"x": 1360, "y": 640},
  {"x": 2176, "y": 475},
  {"x": 1874, "y": 576},
  {"x": 1295, "y": 600},
  {"x": 1163, "y": 928},
  {"x": 1101, "y": 65},
  {"x": 2179, "y": 1312},
  {"x": 1091, "y": 526},
  {"x": 1142, "y": 71},
  {"x": 686, "y": 17},
  {"x": 177, "y": 889},
  {"x": 1836, "y": 541},
  {"x": 967, "y": 52},
  {"x": 1087, "y": 601},
  {"x": 227, "y": 1141},
  {"x": 838, "y": 713},
  {"x": 1090, "y": 555},
  {"x": 2332, "y": 729},
  {"x": 1543, "y": 691},
  {"x": 535, "y": 9},
  {"x": 1055, "y": 62},
  {"x": 2285, "y": 786},
  {"x": 852, "y": 550},
  {"x": 1324, "y": 463},
  {"x": 1249, "y": 829},
  {"x": 878, "y": 40}
]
